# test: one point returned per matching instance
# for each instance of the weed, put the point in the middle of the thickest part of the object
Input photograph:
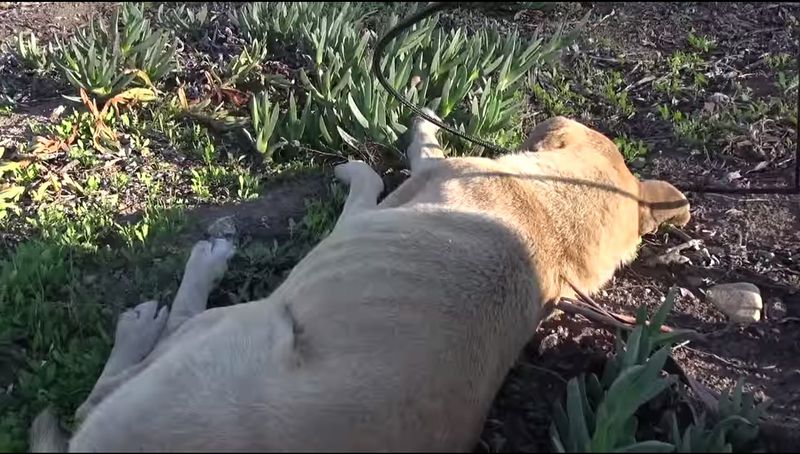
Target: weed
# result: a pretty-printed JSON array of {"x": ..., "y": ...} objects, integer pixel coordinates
[
  {"x": 31, "y": 54},
  {"x": 617, "y": 96},
  {"x": 630, "y": 148},
  {"x": 700, "y": 43}
]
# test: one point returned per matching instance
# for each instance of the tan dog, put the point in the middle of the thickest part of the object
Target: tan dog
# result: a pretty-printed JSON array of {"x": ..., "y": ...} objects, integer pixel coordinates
[{"x": 396, "y": 331}]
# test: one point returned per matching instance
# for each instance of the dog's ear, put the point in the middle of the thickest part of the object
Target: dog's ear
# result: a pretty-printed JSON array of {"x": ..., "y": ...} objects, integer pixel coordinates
[{"x": 661, "y": 203}]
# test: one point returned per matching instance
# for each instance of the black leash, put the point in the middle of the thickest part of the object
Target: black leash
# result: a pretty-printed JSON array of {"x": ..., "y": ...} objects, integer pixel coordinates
[{"x": 438, "y": 6}]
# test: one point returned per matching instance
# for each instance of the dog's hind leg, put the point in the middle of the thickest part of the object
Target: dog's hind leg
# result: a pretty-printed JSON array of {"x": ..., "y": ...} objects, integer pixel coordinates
[
  {"x": 137, "y": 332},
  {"x": 365, "y": 187},
  {"x": 425, "y": 149},
  {"x": 205, "y": 267}
]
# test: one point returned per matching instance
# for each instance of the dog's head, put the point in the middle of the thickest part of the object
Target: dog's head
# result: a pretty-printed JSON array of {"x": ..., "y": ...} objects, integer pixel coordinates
[{"x": 659, "y": 201}]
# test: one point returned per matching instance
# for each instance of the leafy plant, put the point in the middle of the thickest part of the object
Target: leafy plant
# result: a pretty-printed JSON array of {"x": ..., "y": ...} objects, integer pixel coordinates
[
  {"x": 736, "y": 427},
  {"x": 469, "y": 79},
  {"x": 630, "y": 148},
  {"x": 105, "y": 60},
  {"x": 600, "y": 414},
  {"x": 700, "y": 43},
  {"x": 243, "y": 64},
  {"x": 188, "y": 20},
  {"x": 30, "y": 53},
  {"x": 264, "y": 117}
]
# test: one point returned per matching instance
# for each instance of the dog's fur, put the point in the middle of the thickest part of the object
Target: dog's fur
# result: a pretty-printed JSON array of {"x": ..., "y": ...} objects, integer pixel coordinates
[{"x": 396, "y": 331}]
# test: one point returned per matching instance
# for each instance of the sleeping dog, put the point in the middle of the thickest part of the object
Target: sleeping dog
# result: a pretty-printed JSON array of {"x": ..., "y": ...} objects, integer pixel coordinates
[{"x": 397, "y": 330}]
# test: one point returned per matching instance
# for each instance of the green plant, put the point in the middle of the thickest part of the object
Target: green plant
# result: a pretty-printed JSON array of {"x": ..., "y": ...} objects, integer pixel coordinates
[
  {"x": 735, "y": 429},
  {"x": 470, "y": 79},
  {"x": 630, "y": 148},
  {"x": 700, "y": 43},
  {"x": 264, "y": 117},
  {"x": 30, "y": 53},
  {"x": 105, "y": 60},
  {"x": 617, "y": 96},
  {"x": 600, "y": 413},
  {"x": 241, "y": 66},
  {"x": 188, "y": 20}
]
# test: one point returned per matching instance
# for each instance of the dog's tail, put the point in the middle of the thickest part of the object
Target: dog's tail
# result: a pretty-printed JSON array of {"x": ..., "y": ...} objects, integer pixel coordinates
[{"x": 47, "y": 435}]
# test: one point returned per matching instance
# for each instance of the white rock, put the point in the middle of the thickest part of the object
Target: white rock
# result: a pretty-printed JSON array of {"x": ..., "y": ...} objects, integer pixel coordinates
[{"x": 740, "y": 301}]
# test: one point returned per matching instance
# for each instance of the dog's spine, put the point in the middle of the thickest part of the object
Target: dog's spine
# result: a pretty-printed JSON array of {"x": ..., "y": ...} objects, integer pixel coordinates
[{"x": 47, "y": 435}]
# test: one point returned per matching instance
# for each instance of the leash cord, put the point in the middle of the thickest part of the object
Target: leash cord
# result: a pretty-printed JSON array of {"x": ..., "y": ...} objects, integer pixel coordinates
[
  {"x": 376, "y": 69},
  {"x": 438, "y": 6}
]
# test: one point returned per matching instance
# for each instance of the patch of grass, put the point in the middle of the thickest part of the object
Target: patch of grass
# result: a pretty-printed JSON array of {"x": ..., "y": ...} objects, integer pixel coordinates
[{"x": 617, "y": 96}]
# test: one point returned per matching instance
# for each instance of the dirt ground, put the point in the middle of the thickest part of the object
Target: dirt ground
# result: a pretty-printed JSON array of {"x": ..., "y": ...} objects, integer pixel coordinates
[
  {"x": 746, "y": 238},
  {"x": 749, "y": 238}
]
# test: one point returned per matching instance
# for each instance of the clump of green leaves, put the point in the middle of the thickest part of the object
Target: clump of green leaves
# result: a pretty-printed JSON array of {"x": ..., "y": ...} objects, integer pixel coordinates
[
  {"x": 30, "y": 53},
  {"x": 630, "y": 148},
  {"x": 700, "y": 43},
  {"x": 471, "y": 80},
  {"x": 191, "y": 21},
  {"x": 105, "y": 60},
  {"x": 735, "y": 426},
  {"x": 264, "y": 117},
  {"x": 600, "y": 413}
]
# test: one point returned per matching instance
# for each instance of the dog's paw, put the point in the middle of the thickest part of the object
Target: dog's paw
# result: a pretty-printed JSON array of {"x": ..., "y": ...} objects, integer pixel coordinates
[
  {"x": 353, "y": 171},
  {"x": 138, "y": 330},
  {"x": 209, "y": 258}
]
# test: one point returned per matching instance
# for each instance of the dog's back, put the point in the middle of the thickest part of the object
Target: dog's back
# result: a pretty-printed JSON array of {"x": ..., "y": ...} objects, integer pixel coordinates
[{"x": 384, "y": 330}]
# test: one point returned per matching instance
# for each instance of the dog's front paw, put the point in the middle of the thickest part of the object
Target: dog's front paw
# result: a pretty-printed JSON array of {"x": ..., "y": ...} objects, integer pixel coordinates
[
  {"x": 209, "y": 259},
  {"x": 355, "y": 170}
]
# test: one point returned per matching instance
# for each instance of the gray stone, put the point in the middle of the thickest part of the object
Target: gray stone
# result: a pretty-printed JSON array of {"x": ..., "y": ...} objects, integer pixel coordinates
[{"x": 740, "y": 301}]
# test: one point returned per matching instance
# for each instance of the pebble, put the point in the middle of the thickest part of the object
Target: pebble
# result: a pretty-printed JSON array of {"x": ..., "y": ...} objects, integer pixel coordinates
[
  {"x": 776, "y": 310},
  {"x": 549, "y": 342},
  {"x": 765, "y": 255},
  {"x": 740, "y": 301},
  {"x": 224, "y": 227}
]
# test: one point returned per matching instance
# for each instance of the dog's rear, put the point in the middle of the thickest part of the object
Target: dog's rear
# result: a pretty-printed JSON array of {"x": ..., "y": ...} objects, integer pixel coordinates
[{"x": 47, "y": 435}]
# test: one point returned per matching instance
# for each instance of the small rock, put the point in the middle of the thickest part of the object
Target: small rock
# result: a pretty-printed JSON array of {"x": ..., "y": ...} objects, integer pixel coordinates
[
  {"x": 733, "y": 176},
  {"x": 223, "y": 227},
  {"x": 548, "y": 343},
  {"x": 720, "y": 98},
  {"x": 765, "y": 255},
  {"x": 639, "y": 163},
  {"x": 740, "y": 301},
  {"x": 776, "y": 310}
]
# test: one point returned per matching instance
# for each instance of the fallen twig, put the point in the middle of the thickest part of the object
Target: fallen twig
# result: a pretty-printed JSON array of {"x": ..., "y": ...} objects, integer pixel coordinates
[
  {"x": 679, "y": 233},
  {"x": 577, "y": 309}
]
